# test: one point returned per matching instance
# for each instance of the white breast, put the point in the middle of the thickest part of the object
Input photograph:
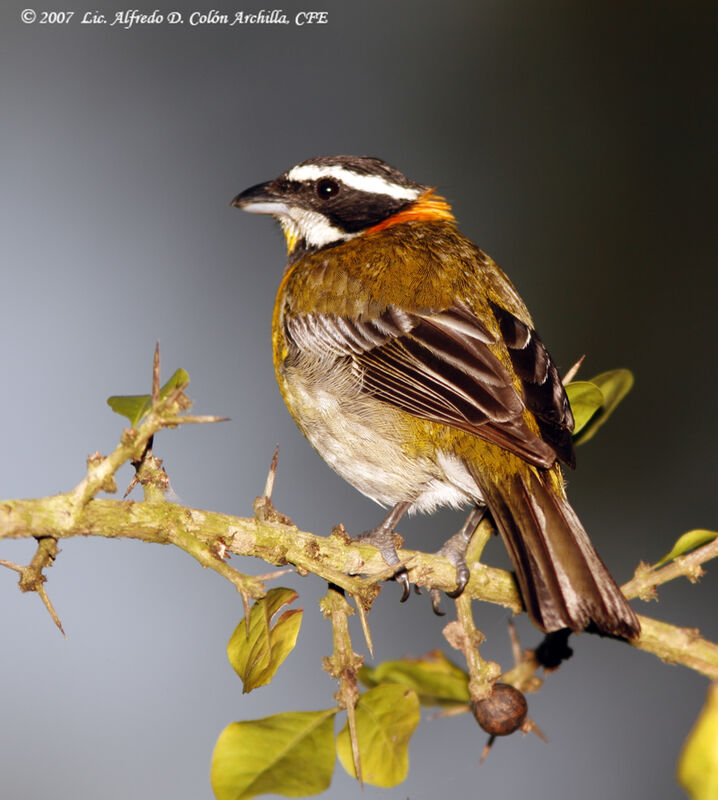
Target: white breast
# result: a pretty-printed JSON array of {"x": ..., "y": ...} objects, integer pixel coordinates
[{"x": 357, "y": 436}]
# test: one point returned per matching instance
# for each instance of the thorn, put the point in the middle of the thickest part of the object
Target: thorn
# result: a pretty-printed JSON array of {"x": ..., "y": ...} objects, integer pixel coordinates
[
  {"x": 263, "y": 508},
  {"x": 12, "y": 565},
  {"x": 156, "y": 374},
  {"x": 486, "y": 749},
  {"x": 269, "y": 485},
  {"x": 530, "y": 726},
  {"x": 247, "y": 611},
  {"x": 48, "y": 605},
  {"x": 270, "y": 576},
  {"x": 454, "y": 711},
  {"x": 569, "y": 376},
  {"x": 132, "y": 485},
  {"x": 351, "y": 719},
  {"x": 364, "y": 623},
  {"x": 515, "y": 644},
  {"x": 196, "y": 419}
]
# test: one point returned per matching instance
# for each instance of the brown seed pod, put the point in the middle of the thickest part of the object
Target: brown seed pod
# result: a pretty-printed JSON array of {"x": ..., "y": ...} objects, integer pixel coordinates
[{"x": 502, "y": 712}]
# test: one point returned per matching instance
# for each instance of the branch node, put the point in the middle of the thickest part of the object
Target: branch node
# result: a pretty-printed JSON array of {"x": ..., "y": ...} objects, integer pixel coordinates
[
  {"x": 264, "y": 510},
  {"x": 109, "y": 484},
  {"x": 32, "y": 576},
  {"x": 463, "y": 635}
]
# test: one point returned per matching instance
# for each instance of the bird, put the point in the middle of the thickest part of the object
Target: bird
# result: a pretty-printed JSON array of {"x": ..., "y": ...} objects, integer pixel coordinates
[{"x": 411, "y": 364}]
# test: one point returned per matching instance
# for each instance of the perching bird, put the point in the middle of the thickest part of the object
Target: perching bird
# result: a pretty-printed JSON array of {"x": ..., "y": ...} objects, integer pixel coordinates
[{"x": 409, "y": 361}]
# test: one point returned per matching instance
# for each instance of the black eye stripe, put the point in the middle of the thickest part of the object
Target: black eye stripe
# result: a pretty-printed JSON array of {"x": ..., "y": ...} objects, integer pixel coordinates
[{"x": 356, "y": 211}]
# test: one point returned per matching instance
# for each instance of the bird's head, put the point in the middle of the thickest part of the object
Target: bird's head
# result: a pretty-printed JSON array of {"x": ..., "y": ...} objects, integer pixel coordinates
[{"x": 328, "y": 200}]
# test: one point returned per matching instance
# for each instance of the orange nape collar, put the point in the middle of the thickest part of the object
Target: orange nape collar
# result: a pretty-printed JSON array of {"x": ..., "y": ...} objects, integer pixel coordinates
[{"x": 429, "y": 207}]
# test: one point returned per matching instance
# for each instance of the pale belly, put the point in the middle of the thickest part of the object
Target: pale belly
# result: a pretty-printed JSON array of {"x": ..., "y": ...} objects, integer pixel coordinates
[{"x": 360, "y": 438}]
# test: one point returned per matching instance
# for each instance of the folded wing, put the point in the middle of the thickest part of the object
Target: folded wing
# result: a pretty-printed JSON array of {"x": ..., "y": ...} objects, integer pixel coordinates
[{"x": 443, "y": 367}]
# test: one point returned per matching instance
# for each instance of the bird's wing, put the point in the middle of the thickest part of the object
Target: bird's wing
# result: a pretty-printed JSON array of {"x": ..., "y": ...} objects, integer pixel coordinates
[{"x": 441, "y": 367}]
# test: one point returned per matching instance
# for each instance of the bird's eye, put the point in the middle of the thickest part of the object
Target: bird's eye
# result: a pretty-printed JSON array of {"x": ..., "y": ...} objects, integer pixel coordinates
[{"x": 326, "y": 188}]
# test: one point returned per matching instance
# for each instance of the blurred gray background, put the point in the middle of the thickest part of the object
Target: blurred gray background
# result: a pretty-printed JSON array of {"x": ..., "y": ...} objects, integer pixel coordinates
[{"x": 578, "y": 145}]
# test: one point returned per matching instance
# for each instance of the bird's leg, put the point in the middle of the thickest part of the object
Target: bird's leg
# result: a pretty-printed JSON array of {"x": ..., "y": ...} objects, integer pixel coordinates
[
  {"x": 455, "y": 549},
  {"x": 382, "y": 538}
]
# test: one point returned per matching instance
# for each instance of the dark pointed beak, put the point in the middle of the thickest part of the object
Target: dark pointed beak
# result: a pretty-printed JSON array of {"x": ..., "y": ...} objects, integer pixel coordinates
[{"x": 261, "y": 199}]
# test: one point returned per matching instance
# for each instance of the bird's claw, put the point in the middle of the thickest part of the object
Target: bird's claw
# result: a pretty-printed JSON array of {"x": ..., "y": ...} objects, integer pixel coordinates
[
  {"x": 462, "y": 578},
  {"x": 436, "y": 602},
  {"x": 403, "y": 578},
  {"x": 455, "y": 551}
]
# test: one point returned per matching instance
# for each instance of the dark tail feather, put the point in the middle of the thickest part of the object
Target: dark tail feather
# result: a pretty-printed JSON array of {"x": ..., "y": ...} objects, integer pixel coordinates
[{"x": 563, "y": 581}]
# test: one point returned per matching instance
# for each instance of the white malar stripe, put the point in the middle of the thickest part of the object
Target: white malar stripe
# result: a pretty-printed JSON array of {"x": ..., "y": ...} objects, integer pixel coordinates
[
  {"x": 300, "y": 223},
  {"x": 372, "y": 184},
  {"x": 315, "y": 228}
]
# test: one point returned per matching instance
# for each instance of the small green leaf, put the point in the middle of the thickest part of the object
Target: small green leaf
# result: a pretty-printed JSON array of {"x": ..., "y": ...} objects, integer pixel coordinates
[
  {"x": 258, "y": 656},
  {"x": 586, "y": 399},
  {"x": 135, "y": 406},
  {"x": 179, "y": 380},
  {"x": 132, "y": 406},
  {"x": 614, "y": 385},
  {"x": 697, "y": 769},
  {"x": 386, "y": 718},
  {"x": 434, "y": 678},
  {"x": 684, "y": 544},
  {"x": 291, "y": 754}
]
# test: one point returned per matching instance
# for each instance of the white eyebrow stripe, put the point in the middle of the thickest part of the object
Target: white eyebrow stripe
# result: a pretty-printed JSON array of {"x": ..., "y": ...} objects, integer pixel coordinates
[{"x": 373, "y": 184}]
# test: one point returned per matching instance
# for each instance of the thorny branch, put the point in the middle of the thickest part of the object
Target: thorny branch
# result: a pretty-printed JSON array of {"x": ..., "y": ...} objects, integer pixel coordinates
[
  {"x": 334, "y": 558},
  {"x": 354, "y": 566}
]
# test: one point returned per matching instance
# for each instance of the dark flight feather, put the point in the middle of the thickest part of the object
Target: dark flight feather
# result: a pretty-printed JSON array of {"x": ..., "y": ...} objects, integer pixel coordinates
[{"x": 543, "y": 390}]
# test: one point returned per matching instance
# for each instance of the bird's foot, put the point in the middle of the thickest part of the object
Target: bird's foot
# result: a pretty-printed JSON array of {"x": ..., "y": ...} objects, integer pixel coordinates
[
  {"x": 382, "y": 537},
  {"x": 454, "y": 550}
]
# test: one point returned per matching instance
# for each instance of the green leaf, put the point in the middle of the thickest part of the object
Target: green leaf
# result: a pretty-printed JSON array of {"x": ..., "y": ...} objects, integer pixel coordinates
[
  {"x": 684, "y": 544},
  {"x": 386, "y": 718},
  {"x": 132, "y": 406},
  {"x": 614, "y": 385},
  {"x": 257, "y": 657},
  {"x": 178, "y": 380},
  {"x": 697, "y": 769},
  {"x": 135, "y": 406},
  {"x": 586, "y": 399},
  {"x": 291, "y": 754},
  {"x": 434, "y": 678}
]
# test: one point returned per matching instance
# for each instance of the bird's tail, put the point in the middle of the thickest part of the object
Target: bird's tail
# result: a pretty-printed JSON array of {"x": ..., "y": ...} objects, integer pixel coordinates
[{"x": 563, "y": 581}]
